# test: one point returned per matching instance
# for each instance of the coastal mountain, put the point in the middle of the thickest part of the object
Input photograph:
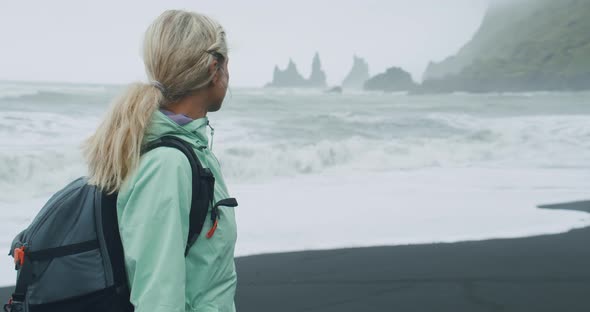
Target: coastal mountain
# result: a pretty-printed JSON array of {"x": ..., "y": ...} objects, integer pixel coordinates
[
  {"x": 291, "y": 78},
  {"x": 523, "y": 45},
  {"x": 394, "y": 79},
  {"x": 358, "y": 75}
]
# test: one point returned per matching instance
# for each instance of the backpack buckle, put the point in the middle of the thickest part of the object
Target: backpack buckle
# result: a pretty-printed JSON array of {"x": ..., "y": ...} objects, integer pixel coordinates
[{"x": 13, "y": 306}]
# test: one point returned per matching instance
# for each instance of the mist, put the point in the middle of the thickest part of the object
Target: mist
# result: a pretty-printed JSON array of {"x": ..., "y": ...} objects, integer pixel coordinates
[{"x": 70, "y": 41}]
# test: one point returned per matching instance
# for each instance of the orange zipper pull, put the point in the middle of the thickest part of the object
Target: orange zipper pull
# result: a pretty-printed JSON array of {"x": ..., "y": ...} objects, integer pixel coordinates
[
  {"x": 230, "y": 202},
  {"x": 212, "y": 230},
  {"x": 19, "y": 257}
]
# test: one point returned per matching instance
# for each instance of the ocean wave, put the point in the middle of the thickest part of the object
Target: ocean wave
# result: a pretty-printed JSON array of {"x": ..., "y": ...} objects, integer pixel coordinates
[
  {"x": 41, "y": 155},
  {"x": 275, "y": 136},
  {"x": 16, "y": 94},
  {"x": 32, "y": 130},
  {"x": 20, "y": 90},
  {"x": 524, "y": 94},
  {"x": 28, "y": 174},
  {"x": 546, "y": 142}
]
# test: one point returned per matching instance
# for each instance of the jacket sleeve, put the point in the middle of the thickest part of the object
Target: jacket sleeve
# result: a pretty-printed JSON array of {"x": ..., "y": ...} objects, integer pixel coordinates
[{"x": 153, "y": 221}]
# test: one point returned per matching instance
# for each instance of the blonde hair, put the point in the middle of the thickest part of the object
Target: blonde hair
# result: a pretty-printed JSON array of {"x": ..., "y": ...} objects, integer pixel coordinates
[{"x": 179, "y": 48}]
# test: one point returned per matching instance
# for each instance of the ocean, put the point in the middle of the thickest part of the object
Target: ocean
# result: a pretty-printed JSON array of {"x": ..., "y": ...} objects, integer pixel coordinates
[{"x": 313, "y": 170}]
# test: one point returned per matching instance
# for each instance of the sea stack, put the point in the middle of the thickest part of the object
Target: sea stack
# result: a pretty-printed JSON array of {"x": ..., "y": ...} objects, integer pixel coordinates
[
  {"x": 291, "y": 78},
  {"x": 318, "y": 77},
  {"x": 358, "y": 75}
]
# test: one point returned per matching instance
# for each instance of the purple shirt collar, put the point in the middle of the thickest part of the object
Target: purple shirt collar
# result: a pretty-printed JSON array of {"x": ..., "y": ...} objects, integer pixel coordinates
[{"x": 180, "y": 119}]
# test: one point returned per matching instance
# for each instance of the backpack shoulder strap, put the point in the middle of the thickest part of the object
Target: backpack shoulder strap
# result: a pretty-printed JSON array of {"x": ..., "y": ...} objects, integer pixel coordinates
[{"x": 202, "y": 185}]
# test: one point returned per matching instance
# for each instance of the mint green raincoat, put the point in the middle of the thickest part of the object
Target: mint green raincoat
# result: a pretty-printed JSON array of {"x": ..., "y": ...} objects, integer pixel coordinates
[{"x": 153, "y": 209}]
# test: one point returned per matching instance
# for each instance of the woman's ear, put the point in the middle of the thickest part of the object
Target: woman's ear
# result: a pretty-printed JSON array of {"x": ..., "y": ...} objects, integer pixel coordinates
[{"x": 214, "y": 68}]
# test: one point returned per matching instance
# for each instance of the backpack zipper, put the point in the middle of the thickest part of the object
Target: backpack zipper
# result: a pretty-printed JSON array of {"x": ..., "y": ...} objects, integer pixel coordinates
[{"x": 31, "y": 232}]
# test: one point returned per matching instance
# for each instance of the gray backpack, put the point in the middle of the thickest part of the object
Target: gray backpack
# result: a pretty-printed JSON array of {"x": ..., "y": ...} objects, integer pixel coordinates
[{"x": 70, "y": 258}]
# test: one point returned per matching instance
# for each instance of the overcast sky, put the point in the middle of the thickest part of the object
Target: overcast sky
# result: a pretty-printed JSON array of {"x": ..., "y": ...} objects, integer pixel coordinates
[{"x": 99, "y": 41}]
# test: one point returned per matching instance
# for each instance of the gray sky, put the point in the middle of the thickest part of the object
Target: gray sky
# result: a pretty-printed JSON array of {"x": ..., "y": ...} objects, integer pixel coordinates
[{"x": 98, "y": 41}]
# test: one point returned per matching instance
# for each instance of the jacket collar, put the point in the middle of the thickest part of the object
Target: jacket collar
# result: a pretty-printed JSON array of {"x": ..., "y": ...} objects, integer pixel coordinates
[{"x": 162, "y": 125}]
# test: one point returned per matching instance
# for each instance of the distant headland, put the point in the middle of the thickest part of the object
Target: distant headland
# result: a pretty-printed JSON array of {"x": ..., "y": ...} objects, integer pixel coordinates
[{"x": 526, "y": 45}]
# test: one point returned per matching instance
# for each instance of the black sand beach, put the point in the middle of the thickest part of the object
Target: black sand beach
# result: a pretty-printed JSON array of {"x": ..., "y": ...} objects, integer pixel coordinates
[{"x": 542, "y": 273}]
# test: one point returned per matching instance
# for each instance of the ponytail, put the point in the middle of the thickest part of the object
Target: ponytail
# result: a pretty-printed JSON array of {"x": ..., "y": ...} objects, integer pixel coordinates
[{"x": 113, "y": 152}]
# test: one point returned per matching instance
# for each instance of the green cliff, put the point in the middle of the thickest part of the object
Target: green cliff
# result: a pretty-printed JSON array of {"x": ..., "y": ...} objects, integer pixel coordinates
[{"x": 524, "y": 45}]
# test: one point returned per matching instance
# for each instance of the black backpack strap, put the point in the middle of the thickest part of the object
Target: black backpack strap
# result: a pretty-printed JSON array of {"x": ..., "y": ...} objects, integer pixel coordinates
[
  {"x": 109, "y": 229},
  {"x": 25, "y": 277},
  {"x": 202, "y": 185}
]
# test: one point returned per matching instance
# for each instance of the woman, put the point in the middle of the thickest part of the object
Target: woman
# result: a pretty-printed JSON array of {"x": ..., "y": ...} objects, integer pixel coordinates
[{"x": 185, "y": 56}]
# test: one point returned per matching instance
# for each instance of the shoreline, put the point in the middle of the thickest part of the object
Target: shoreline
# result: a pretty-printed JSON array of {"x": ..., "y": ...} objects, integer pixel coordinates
[
  {"x": 493, "y": 208},
  {"x": 539, "y": 273}
]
